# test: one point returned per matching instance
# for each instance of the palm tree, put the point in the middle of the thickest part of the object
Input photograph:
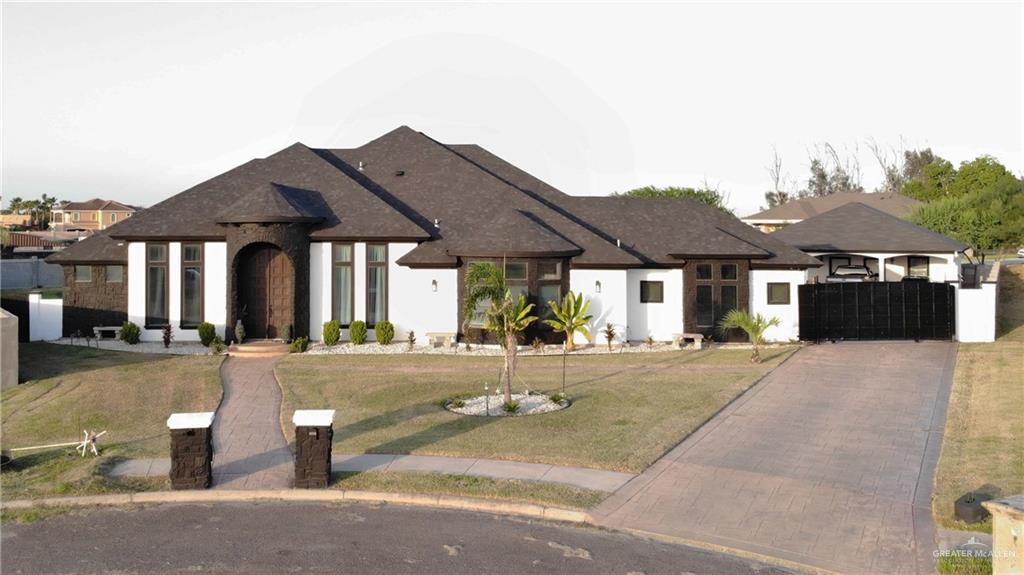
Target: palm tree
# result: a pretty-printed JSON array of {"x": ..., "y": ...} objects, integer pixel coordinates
[
  {"x": 506, "y": 317},
  {"x": 755, "y": 326},
  {"x": 570, "y": 317}
]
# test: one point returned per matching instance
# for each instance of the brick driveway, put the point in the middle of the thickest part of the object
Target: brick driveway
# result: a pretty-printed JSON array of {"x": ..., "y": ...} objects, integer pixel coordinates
[{"x": 828, "y": 462}]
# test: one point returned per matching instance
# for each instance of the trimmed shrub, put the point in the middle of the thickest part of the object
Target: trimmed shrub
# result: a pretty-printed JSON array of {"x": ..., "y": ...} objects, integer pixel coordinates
[
  {"x": 412, "y": 339},
  {"x": 357, "y": 332},
  {"x": 385, "y": 332},
  {"x": 239, "y": 332},
  {"x": 332, "y": 332},
  {"x": 207, "y": 331},
  {"x": 130, "y": 333},
  {"x": 299, "y": 345},
  {"x": 168, "y": 334}
]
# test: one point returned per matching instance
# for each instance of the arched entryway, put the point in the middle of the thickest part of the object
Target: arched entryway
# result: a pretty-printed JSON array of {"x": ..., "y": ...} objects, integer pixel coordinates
[{"x": 266, "y": 291}]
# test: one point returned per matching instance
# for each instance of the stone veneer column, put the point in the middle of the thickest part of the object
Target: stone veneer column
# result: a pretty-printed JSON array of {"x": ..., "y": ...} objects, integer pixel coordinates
[
  {"x": 1007, "y": 534},
  {"x": 313, "y": 435},
  {"x": 191, "y": 450}
]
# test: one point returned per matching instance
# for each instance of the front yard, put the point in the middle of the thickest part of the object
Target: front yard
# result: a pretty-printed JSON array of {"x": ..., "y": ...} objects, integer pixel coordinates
[
  {"x": 129, "y": 395},
  {"x": 983, "y": 447},
  {"x": 627, "y": 410}
]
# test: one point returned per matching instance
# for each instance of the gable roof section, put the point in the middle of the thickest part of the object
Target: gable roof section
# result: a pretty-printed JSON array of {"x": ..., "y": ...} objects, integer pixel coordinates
[
  {"x": 274, "y": 203},
  {"x": 889, "y": 202},
  {"x": 97, "y": 204},
  {"x": 856, "y": 227},
  {"x": 98, "y": 248}
]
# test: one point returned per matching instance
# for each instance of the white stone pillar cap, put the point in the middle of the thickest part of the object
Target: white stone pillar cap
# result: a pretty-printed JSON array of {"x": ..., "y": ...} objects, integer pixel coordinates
[
  {"x": 313, "y": 417},
  {"x": 200, "y": 420}
]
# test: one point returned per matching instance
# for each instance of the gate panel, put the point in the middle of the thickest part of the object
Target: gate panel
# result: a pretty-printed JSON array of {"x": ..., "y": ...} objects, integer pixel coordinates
[{"x": 877, "y": 310}]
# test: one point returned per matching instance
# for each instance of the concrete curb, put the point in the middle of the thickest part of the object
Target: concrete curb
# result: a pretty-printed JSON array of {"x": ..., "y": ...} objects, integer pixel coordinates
[{"x": 300, "y": 495}]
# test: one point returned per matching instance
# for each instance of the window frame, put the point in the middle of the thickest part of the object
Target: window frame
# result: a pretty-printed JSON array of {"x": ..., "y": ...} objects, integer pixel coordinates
[
  {"x": 648, "y": 283},
  {"x": 368, "y": 264},
  {"x": 202, "y": 284},
  {"x": 768, "y": 293},
  {"x": 721, "y": 273},
  {"x": 165, "y": 264},
  {"x": 832, "y": 265},
  {"x": 927, "y": 266},
  {"x": 106, "y": 273},
  {"x": 711, "y": 272},
  {"x": 351, "y": 265},
  {"x": 696, "y": 307},
  {"x": 80, "y": 281}
]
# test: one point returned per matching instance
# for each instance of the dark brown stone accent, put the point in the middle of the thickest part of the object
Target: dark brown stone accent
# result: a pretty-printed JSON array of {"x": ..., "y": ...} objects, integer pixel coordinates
[
  {"x": 191, "y": 458},
  {"x": 313, "y": 456},
  {"x": 293, "y": 240},
  {"x": 690, "y": 283},
  {"x": 96, "y": 303},
  {"x": 537, "y": 329}
]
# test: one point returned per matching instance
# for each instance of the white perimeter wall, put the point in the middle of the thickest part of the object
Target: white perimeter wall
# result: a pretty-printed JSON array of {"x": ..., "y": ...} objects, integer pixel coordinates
[
  {"x": 608, "y": 306},
  {"x": 412, "y": 302},
  {"x": 976, "y": 313},
  {"x": 789, "y": 316},
  {"x": 215, "y": 303},
  {"x": 657, "y": 320}
]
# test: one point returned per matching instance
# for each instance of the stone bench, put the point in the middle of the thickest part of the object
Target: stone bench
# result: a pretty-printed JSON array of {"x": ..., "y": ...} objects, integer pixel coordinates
[
  {"x": 445, "y": 339},
  {"x": 99, "y": 331},
  {"x": 678, "y": 339}
]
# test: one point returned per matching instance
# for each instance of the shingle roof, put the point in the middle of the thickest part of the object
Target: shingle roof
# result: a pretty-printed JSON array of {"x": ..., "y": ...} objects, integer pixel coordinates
[
  {"x": 856, "y": 227},
  {"x": 889, "y": 202},
  {"x": 455, "y": 200},
  {"x": 97, "y": 204},
  {"x": 98, "y": 248}
]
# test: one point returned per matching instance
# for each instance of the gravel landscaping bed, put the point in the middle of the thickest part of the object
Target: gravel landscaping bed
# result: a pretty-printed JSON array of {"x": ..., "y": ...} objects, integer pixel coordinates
[
  {"x": 493, "y": 405},
  {"x": 477, "y": 350},
  {"x": 176, "y": 348}
]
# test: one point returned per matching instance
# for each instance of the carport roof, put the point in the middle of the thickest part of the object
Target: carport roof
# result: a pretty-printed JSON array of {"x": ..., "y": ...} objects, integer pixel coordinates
[{"x": 856, "y": 227}]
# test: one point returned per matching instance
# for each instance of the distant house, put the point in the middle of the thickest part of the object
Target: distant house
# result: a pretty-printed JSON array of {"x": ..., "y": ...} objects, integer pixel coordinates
[
  {"x": 794, "y": 211},
  {"x": 93, "y": 215},
  {"x": 7, "y": 220}
]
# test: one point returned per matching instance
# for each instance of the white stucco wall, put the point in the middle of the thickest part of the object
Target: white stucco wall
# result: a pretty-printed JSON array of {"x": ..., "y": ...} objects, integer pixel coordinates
[
  {"x": 658, "y": 320},
  {"x": 608, "y": 306},
  {"x": 137, "y": 286},
  {"x": 976, "y": 313},
  {"x": 215, "y": 287},
  {"x": 412, "y": 302},
  {"x": 319, "y": 288},
  {"x": 789, "y": 315}
]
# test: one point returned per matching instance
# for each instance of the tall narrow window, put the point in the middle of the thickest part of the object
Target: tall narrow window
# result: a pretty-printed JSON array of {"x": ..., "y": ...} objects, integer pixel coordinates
[
  {"x": 728, "y": 301},
  {"x": 342, "y": 288},
  {"x": 549, "y": 288},
  {"x": 376, "y": 284},
  {"x": 705, "y": 306},
  {"x": 156, "y": 285},
  {"x": 191, "y": 285}
]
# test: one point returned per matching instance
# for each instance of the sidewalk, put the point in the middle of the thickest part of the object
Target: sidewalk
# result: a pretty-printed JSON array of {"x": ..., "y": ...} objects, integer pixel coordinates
[{"x": 595, "y": 479}]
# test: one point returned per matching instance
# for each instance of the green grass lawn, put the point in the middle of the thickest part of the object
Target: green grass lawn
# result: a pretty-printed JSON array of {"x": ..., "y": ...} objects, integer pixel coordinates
[
  {"x": 129, "y": 395},
  {"x": 983, "y": 445},
  {"x": 628, "y": 409}
]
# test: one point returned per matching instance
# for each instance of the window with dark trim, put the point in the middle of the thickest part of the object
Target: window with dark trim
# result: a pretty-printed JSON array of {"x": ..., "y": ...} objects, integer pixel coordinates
[
  {"x": 917, "y": 266},
  {"x": 115, "y": 274},
  {"x": 549, "y": 288},
  {"x": 191, "y": 285},
  {"x": 728, "y": 272},
  {"x": 705, "y": 306},
  {"x": 156, "y": 285},
  {"x": 778, "y": 293},
  {"x": 652, "y": 291},
  {"x": 83, "y": 274},
  {"x": 342, "y": 284},
  {"x": 728, "y": 301},
  {"x": 376, "y": 283},
  {"x": 703, "y": 271},
  {"x": 834, "y": 262}
]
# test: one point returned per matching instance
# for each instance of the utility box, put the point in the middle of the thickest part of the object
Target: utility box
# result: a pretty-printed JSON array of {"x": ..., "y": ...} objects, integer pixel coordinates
[
  {"x": 314, "y": 432},
  {"x": 191, "y": 450}
]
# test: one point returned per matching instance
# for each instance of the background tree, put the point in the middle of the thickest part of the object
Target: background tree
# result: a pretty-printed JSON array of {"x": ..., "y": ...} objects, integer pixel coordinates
[
  {"x": 705, "y": 194},
  {"x": 780, "y": 192},
  {"x": 832, "y": 174}
]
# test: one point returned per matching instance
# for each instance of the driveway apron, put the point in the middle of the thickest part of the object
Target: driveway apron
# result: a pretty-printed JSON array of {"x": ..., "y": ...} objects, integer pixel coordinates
[
  {"x": 827, "y": 462},
  {"x": 249, "y": 449}
]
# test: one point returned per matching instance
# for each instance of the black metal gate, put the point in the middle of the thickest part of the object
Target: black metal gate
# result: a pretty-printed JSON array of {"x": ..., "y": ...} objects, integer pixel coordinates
[{"x": 877, "y": 310}]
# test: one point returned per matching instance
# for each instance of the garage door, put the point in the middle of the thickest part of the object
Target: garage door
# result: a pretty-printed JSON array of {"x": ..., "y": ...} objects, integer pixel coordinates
[{"x": 877, "y": 310}]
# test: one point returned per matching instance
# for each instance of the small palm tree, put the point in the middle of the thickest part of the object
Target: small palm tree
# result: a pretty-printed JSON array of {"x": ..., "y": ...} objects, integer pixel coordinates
[
  {"x": 570, "y": 317},
  {"x": 755, "y": 325}
]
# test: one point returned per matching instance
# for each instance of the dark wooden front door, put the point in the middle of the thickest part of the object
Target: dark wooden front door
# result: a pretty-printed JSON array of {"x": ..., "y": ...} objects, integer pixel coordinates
[{"x": 266, "y": 288}]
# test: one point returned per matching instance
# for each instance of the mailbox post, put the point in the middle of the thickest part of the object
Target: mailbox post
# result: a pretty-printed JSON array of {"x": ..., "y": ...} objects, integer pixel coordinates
[
  {"x": 314, "y": 431},
  {"x": 191, "y": 450}
]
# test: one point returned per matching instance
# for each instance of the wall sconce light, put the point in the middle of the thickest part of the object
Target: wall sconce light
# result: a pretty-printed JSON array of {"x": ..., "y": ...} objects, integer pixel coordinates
[
  {"x": 433, "y": 285},
  {"x": 597, "y": 286}
]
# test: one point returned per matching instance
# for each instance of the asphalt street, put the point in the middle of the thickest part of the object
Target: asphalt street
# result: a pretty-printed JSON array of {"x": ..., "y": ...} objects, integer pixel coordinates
[{"x": 353, "y": 538}]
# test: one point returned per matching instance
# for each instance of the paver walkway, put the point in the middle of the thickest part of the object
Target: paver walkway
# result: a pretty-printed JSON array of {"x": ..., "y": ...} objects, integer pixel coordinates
[
  {"x": 596, "y": 479},
  {"x": 829, "y": 462},
  {"x": 249, "y": 449}
]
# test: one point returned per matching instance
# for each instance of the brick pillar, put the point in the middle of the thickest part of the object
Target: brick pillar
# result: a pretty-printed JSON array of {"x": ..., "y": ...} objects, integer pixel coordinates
[
  {"x": 314, "y": 432},
  {"x": 191, "y": 450},
  {"x": 1007, "y": 534}
]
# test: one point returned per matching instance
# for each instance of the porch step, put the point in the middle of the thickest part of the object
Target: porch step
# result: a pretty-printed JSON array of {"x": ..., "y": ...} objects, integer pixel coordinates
[{"x": 265, "y": 348}]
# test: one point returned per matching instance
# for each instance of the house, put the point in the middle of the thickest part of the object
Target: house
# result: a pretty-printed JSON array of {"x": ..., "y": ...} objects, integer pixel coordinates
[
  {"x": 387, "y": 230},
  {"x": 16, "y": 220},
  {"x": 93, "y": 215},
  {"x": 889, "y": 248},
  {"x": 795, "y": 211}
]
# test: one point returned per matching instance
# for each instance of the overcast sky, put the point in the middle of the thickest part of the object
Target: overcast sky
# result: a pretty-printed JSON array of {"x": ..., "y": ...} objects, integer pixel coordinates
[{"x": 137, "y": 102}]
